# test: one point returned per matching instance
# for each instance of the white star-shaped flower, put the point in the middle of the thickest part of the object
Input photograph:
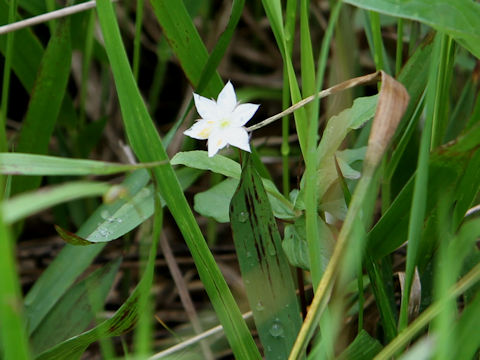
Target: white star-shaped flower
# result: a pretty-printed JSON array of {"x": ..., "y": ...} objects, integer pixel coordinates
[{"x": 222, "y": 121}]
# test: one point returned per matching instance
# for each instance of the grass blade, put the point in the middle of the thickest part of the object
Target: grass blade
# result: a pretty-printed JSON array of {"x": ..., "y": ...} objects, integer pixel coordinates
[
  {"x": 45, "y": 101},
  {"x": 146, "y": 144},
  {"x": 28, "y": 203},
  {"x": 185, "y": 41},
  {"x": 13, "y": 333},
  {"x": 29, "y": 164},
  {"x": 76, "y": 309}
]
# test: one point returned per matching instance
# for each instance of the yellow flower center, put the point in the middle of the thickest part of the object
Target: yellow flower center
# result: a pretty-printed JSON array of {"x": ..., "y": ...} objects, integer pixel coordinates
[{"x": 225, "y": 122}]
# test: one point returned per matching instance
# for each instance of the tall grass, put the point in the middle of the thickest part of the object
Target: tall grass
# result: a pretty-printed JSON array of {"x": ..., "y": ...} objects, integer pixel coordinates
[{"x": 348, "y": 236}]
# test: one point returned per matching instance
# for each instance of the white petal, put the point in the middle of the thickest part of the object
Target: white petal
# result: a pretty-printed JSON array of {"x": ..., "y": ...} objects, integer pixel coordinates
[
  {"x": 237, "y": 137},
  {"x": 227, "y": 100},
  {"x": 216, "y": 142},
  {"x": 206, "y": 108},
  {"x": 243, "y": 113},
  {"x": 201, "y": 130}
]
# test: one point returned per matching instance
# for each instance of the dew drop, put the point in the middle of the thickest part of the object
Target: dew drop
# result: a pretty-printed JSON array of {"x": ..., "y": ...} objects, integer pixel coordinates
[
  {"x": 249, "y": 254},
  {"x": 260, "y": 306},
  {"x": 104, "y": 214},
  {"x": 276, "y": 330},
  {"x": 243, "y": 216}
]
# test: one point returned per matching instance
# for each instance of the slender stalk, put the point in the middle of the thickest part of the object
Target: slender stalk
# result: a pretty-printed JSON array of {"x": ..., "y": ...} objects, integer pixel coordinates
[
  {"x": 57, "y": 14},
  {"x": 417, "y": 213},
  {"x": 193, "y": 340},
  {"x": 377, "y": 40},
  {"x": 324, "y": 289},
  {"x": 399, "y": 57},
  {"x": 290, "y": 19},
  {"x": 311, "y": 198},
  {"x": 362, "y": 80}
]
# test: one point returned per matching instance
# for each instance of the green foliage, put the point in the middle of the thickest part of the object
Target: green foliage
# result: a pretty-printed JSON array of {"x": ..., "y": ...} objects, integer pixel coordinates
[
  {"x": 456, "y": 18},
  {"x": 146, "y": 143},
  {"x": 265, "y": 271},
  {"x": 75, "y": 310},
  {"x": 45, "y": 102},
  {"x": 61, "y": 100}
]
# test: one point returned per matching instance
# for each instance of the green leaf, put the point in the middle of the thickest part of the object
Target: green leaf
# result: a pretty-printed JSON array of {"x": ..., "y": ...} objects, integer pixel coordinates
[
  {"x": 148, "y": 147},
  {"x": 264, "y": 266},
  {"x": 185, "y": 41},
  {"x": 466, "y": 330},
  {"x": 346, "y": 158},
  {"x": 364, "y": 347},
  {"x": 108, "y": 222},
  {"x": 338, "y": 126},
  {"x": 204, "y": 201},
  {"x": 13, "y": 337},
  {"x": 29, "y": 164},
  {"x": 72, "y": 238},
  {"x": 76, "y": 309},
  {"x": 122, "y": 321},
  {"x": 295, "y": 245},
  {"x": 458, "y": 19},
  {"x": 45, "y": 102},
  {"x": 215, "y": 201},
  {"x": 446, "y": 166},
  {"x": 26, "y": 204},
  {"x": 27, "y": 51},
  {"x": 200, "y": 160}
]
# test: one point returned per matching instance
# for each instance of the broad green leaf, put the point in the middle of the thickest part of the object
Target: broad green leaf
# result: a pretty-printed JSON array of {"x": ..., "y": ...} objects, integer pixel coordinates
[
  {"x": 200, "y": 160},
  {"x": 45, "y": 102},
  {"x": 362, "y": 110},
  {"x": 346, "y": 158},
  {"x": 76, "y": 309},
  {"x": 26, "y": 204},
  {"x": 215, "y": 201},
  {"x": 458, "y": 18},
  {"x": 264, "y": 267},
  {"x": 146, "y": 144},
  {"x": 295, "y": 245},
  {"x": 29, "y": 164}
]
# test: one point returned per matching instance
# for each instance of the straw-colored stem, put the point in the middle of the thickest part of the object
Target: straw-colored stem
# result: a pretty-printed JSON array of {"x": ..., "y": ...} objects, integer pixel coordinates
[
  {"x": 366, "y": 79},
  {"x": 57, "y": 14}
]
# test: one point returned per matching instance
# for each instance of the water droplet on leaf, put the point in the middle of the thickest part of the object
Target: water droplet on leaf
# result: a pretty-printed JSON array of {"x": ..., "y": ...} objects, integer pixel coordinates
[
  {"x": 260, "y": 306},
  {"x": 276, "y": 330},
  {"x": 243, "y": 216}
]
